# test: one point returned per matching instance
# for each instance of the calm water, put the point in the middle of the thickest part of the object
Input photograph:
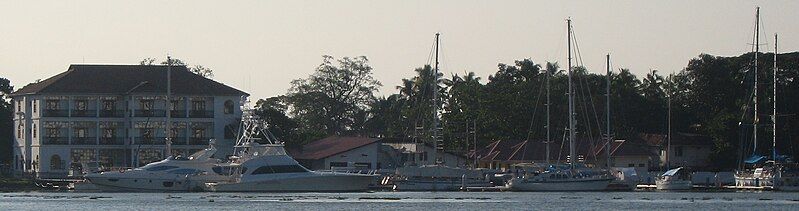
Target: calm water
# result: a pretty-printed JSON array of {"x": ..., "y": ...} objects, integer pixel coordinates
[{"x": 402, "y": 200}]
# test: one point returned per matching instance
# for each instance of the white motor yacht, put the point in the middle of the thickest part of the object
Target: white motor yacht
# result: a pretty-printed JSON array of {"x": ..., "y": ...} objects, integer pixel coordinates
[
  {"x": 561, "y": 178},
  {"x": 269, "y": 169},
  {"x": 674, "y": 179},
  {"x": 171, "y": 174}
]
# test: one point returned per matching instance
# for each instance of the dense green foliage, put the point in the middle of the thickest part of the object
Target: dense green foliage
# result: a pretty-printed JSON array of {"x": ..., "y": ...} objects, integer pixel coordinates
[
  {"x": 711, "y": 96},
  {"x": 6, "y": 122}
]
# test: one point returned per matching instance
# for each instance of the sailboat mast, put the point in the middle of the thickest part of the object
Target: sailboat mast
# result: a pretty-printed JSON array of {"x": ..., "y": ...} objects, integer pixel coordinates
[
  {"x": 548, "y": 135},
  {"x": 774, "y": 112},
  {"x": 168, "y": 141},
  {"x": 572, "y": 135},
  {"x": 668, "y": 136},
  {"x": 757, "y": 51},
  {"x": 608, "y": 136},
  {"x": 434, "y": 86}
]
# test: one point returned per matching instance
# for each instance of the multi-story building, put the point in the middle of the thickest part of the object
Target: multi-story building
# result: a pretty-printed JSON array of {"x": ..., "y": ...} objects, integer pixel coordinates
[{"x": 117, "y": 115}]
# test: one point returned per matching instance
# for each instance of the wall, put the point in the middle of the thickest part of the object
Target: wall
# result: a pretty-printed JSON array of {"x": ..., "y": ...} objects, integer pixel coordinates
[{"x": 363, "y": 154}]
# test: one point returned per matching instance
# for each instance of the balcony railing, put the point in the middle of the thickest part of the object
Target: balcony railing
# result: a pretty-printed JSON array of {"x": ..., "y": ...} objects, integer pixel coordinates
[
  {"x": 55, "y": 141},
  {"x": 56, "y": 113},
  {"x": 150, "y": 113},
  {"x": 198, "y": 141},
  {"x": 179, "y": 141},
  {"x": 84, "y": 141},
  {"x": 201, "y": 114},
  {"x": 112, "y": 113},
  {"x": 84, "y": 113},
  {"x": 148, "y": 141},
  {"x": 177, "y": 113},
  {"x": 112, "y": 141}
]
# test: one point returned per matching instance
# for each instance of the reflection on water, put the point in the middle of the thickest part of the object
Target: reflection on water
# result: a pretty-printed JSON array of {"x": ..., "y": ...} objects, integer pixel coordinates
[{"x": 403, "y": 200}]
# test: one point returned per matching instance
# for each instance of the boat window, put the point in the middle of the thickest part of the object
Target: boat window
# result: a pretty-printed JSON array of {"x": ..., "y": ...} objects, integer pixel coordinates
[
  {"x": 184, "y": 171},
  {"x": 160, "y": 168},
  {"x": 278, "y": 169}
]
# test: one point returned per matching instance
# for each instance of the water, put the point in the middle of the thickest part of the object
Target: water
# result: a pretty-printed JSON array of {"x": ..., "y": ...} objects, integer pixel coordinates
[{"x": 424, "y": 201}]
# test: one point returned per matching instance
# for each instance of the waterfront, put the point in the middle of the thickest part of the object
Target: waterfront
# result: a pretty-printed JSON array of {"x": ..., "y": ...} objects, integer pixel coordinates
[{"x": 404, "y": 200}]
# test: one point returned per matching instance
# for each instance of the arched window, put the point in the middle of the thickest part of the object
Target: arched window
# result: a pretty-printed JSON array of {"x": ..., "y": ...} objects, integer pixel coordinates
[
  {"x": 228, "y": 107},
  {"x": 55, "y": 163}
]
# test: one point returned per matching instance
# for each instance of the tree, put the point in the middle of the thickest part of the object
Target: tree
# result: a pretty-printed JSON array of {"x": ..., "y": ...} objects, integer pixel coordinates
[
  {"x": 335, "y": 98},
  {"x": 6, "y": 121},
  {"x": 196, "y": 69}
]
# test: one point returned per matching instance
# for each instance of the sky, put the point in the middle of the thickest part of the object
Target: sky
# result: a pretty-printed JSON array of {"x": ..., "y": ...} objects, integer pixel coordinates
[{"x": 261, "y": 46}]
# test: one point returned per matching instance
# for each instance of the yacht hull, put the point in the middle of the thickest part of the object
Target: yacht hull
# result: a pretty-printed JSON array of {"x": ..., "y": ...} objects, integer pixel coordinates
[
  {"x": 673, "y": 184},
  {"x": 440, "y": 185},
  {"x": 318, "y": 183},
  {"x": 569, "y": 185}
]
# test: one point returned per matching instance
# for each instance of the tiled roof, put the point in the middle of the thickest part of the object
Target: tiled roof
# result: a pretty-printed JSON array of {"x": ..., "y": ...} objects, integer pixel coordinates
[
  {"x": 331, "y": 146},
  {"x": 124, "y": 79}
]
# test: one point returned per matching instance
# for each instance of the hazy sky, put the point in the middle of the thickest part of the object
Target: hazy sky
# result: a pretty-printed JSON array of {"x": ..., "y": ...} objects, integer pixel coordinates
[{"x": 260, "y": 46}]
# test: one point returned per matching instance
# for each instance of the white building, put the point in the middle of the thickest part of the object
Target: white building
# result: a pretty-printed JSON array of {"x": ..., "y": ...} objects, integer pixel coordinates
[{"x": 116, "y": 114}]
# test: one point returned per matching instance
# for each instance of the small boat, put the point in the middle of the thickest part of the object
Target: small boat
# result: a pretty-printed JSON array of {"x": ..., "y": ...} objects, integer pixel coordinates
[
  {"x": 561, "y": 178},
  {"x": 674, "y": 179},
  {"x": 175, "y": 173},
  {"x": 270, "y": 169},
  {"x": 437, "y": 178},
  {"x": 626, "y": 179}
]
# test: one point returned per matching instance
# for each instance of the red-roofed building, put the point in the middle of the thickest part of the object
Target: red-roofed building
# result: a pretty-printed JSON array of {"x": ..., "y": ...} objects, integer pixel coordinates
[{"x": 339, "y": 152}]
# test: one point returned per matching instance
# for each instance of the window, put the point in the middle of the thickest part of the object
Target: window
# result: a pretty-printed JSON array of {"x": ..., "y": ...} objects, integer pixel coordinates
[
  {"x": 146, "y": 104},
  {"x": 173, "y": 132},
  {"x": 641, "y": 165},
  {"x": 174, "y": 105},
  {"x": 184, "y": 171},
  {"x": 19, "y": 131},
  {"x": 338, "y": 164},
  {"x": 34, "y": 131},
  {"x": 631, "y": 165},
  {"x": 80, "y": 132},
  {"x": 199, "y": 133},
  {"x": 146, "y": 133},
  {"x": 278, "y": 169},
  {"x": 423, "y": 156},
  {"x": 80, "y": 105},
  {"x": 34, "y": 106},
  {"x": 228, "y": 107},
  {"x": 52, "y": 104},
  {"x": 160, "y": 168},
  {"x": 679, "y": 151},
  {"x": 53, "y": 132},
  {"x": 19, "y": 106},
  {"x": 198, "y": 105},
  {"x": 108, "y": 133},
  {"x": 109, "y": 105},
  {"x": 55, "y": 163}
]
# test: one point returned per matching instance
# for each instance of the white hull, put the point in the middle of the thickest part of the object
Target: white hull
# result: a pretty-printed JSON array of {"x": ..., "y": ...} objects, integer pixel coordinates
[
  {"x": 517, "y": 184},
  {"x": 312, "y": 182},
  {"x": 673, "y": 184},
  {"x": 439, "y": 185},
  {"x": 149, "y": 184}
]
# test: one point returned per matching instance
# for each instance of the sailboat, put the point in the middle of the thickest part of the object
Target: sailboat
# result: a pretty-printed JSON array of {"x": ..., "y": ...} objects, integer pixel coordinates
[
  {"x": 437, "y": 177},
  {"x": 625, "y": 179},
  {"x": 572, "y": 177},
  {"x": 673, "y": 179},
  {"x": 758, "y": 170}
]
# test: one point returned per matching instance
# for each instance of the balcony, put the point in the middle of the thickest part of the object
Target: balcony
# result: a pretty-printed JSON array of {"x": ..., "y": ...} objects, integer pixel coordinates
[
  {"x": 55, "y": 141},
  {"x": 177, "y": 113},
  {"x": 112, "y": 141},
  {"x": 198, "y": 141},
  {"x": 150, "y": 113},
  {"x": 84, "y": 140},
  {"x": 148, "y": 140},
  {"x": 201, "y": 114},
  {"x": 112, "y": 113},
  {"x": 55, "y": 113},
  {"x": 179, "y": 141},
  {"x": 84, "y": 113}
]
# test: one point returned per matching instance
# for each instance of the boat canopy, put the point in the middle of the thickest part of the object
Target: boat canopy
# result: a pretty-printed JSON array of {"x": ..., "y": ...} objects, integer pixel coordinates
[
  {"x": 756, "y": 159},
  {"x": 672, "y": 172}
]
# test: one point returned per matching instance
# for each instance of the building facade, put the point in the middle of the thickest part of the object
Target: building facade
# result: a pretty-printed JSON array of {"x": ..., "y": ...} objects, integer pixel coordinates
[{"x": 117, "y": 115}]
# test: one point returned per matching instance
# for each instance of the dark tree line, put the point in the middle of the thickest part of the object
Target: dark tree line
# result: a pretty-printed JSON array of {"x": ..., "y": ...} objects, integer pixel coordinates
[{"x": 710, "y": 96}]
